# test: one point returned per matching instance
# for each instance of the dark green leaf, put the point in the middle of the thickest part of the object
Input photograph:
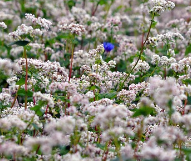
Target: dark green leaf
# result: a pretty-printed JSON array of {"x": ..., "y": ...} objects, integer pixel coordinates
[
  {"x": 186, "y": 81},
  {"x": 35, "y": 126},
  {"x": 110, "y": 95},
  {"x": 22, "y": 92},
  {"x": 93, "y": 88},
  {"x": 37, "y": 108},
  {"x": 19, "y": 43},
  {"x": 21, "y": 82},
  {"x": 64, "y": 150},
  {"x": 144, "y": 111},
  {"x": 154, "y": 23},
  {"x": 188, "y": 50}
]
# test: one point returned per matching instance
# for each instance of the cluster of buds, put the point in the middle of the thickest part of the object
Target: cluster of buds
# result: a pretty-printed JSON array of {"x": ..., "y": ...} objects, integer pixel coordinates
[
  {"x": 3, "y": 25},
  {"x": 169, "y": 36},
  {"x": 41, "y": 21},
  {"x": 21, "y": 30},
  {"x": 160, "y": 6},
  {"x": 152, "y": 41},
  {"x": 74, "y": 28}
]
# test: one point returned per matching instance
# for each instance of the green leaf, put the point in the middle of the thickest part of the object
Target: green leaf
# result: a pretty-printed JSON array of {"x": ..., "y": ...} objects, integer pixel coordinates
[
  {"x": 144, "y": 111},
  {"x": 186, "y": 81},
  {"x": 22, "y": 92},
  {"x": 37, "y": 108},
  {"x": 64, "y": 150},
  {"x": 189, "y": 100},
  {"x": 21, "y": 82},
  {"x": 19, "y": 43},
  {"x": 93, "y": 88},
  {"x": 35, "y": 126},
  {"x": 71, "y": 3},
  {"x": 102, "y": 2},
  {"x": 186, "y": 150},
  {"x": 110, "y": 95},
  {"x": 98, "y": 61},
  {"x": 154, "y": 23},
  {"x": 101, "y": 146},
  {"x": 188, "y": 50}
]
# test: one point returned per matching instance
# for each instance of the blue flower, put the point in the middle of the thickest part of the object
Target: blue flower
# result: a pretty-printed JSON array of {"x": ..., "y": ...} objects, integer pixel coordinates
[{"x": 108, "y": 46}]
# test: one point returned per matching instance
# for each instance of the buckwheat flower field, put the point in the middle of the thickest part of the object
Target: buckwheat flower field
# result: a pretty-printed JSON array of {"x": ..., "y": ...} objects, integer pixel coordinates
[{"x": 95, "y": 80}]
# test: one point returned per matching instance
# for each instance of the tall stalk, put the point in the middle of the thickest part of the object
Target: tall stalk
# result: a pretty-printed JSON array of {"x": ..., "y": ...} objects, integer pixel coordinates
[
  {"x": 71, "y": 62},
  {"x": 26, "y": 76},
  {"x": 141, "y": 52}
]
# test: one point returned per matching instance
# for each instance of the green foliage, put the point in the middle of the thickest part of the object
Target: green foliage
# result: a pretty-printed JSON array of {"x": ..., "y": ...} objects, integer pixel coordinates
[
  {"x": 110, "y": 95},
  {"x": 188, "y": 50},
  {"x": 20, "y": 43},
  {"x": 154, "y": 23},
  {"x": 64, "y": 150},
  {"x": 21, "y": 81},
  {"x": 22, "y": 92},
  {"x": 144, "y": 111},
  {"x": 38, "y": 108}
]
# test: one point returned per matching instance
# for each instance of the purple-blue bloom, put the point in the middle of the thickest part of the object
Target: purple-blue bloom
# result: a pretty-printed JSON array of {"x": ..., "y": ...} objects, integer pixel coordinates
[{"x": 108, "y": 46}]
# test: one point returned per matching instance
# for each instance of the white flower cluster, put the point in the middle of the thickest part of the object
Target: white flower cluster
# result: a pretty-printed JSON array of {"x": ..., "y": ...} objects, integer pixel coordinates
[
  {"x": 3, "y": 25},
  {"x": 45, "y": 68},
  {"x": 184, "y": 120},
  {"x": 44, "y": 97},
  {"x": 12, "y": 121},
  {"x": 21, "y": 30},
  {"x": 74, "y": 28},
  {"x": 168, "y": 37},
  {"x": 45, "y": 144},
  {"x": 16, "y": 51},
  {"x": 169, "y": 134},
  {"x": 165, "y": 90},
  {"x": 151, "y": 150},
  {"x": 165, "y": 61},
  {"x": 159, "y": 6},
  {"x": 25, "y": 115},
  {"x": 114, "y": 23},
  {"x": 127, "y": 95},
  {"x": 106, "y": 115},
  {"x": 5, "y": 98},
  {"x": 82, "y": 58},
  {"x": 80, "y": 14},
  {"x": 11, "y": 148},
  {"x": 142, "y": 66},
  {"x": 41, "y": 21},
  {"x": 8, "y": 67},
  {"x": 63, "y": 86},
  {"x": 65, "y": 124}
]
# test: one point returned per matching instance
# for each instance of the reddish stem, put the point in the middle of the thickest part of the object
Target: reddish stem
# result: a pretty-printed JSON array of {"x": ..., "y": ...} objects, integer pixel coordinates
[
  {"x": 33, "y": 97},
  {"x": 71, "y": 62},
  {"x": 94, "y": 11},
  {"x": 106, "y": 151},
  {"x": 15, "y": 97},
  {"x": 46, "y": 110},
  {"x": 185, "y": 103}
]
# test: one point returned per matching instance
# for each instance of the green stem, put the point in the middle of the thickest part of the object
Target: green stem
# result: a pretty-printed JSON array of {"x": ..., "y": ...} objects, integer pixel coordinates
[
  {"x": 117, "y": 147},
  {"x": 108, "y": 8},
  {"x": 26, "y": 77},
  {"x": 141, "y": 52}
]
